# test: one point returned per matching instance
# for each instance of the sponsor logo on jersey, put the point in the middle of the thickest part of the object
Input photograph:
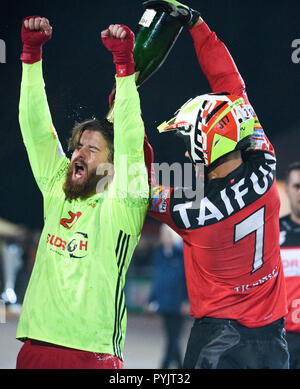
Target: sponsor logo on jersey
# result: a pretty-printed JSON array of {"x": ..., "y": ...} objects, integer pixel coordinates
[
  {"x": 258, "y": 133},
  {"x": 291, "y": 261},
  {"x": 159, "y": 199},
  {"x": 53, "y": 131},
  {"x": 76, "y": 247},
  {"x": 69, "y": 222},
  {"x": 262, "y": 280}
]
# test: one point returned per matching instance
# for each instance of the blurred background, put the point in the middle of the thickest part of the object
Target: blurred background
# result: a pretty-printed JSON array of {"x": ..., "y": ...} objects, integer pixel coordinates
[{"x": 79, "y": 75}]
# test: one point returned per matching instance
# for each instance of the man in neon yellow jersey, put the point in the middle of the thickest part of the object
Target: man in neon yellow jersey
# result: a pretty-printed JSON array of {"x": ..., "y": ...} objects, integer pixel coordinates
[{"x": 74, "y": 313}]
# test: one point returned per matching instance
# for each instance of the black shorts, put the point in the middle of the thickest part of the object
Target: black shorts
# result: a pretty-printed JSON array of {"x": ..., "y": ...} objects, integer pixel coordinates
[
  {"x": 226, "y": 344},
  {"x": 293, "y": 340}
]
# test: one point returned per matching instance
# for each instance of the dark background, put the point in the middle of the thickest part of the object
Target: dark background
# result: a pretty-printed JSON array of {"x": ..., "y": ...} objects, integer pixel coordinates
[{"x": 79, "y": 75}]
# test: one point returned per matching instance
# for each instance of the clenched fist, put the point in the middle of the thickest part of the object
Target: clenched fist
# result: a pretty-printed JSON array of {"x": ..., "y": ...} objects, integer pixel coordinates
[
  {"x": 119, "y": 39},
  {"x": 36, "y": 31},
  {"x": 116, "y": 31}
]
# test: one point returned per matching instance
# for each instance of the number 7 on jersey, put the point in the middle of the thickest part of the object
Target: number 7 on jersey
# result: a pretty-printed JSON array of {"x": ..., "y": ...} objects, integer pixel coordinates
[{"x": 253, "y": 223}]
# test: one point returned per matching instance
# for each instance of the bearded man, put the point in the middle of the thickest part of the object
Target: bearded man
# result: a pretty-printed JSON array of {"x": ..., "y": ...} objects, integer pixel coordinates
[{"x": 74, "y": 314}]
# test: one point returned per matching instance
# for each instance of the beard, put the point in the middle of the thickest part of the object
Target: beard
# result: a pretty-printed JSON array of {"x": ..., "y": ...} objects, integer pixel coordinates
[
  {"x": 82, "y": 190},
  {"x": 295, "y": 208}
]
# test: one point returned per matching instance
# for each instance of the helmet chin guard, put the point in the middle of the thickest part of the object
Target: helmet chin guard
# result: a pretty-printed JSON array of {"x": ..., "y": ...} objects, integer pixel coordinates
[{"x": 212, "y": 126}]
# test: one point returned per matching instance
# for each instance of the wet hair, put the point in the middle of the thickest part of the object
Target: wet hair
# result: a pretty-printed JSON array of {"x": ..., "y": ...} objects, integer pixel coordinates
[
  {"x": 103, "y": 126},
  {"x": 292, "y": 166}
]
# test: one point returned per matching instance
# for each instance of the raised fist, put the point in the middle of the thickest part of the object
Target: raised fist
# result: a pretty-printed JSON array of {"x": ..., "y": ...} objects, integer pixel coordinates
[
  {"x": 117, "y": 31},
  {"x": 119, "y": 39},
  {"x": 35, "y": 32}
]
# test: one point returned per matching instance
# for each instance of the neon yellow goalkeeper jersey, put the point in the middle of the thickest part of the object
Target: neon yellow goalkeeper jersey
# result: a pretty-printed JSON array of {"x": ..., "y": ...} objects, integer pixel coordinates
[{"x": 75, "y": 297}]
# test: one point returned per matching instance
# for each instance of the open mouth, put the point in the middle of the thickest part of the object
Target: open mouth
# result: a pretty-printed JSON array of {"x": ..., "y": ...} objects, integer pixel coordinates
[{"x": 79, "y": 170}]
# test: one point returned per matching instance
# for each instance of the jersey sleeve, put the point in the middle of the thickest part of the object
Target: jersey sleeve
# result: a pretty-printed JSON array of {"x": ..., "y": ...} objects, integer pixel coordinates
[
  {"x": 223, "y": 75},
  {"x": 160, "y": 205},
  {"x": 129, "y": 188},
  {"x": 40, "y": 138},
  {"x": 149, "y": 159},
  {"x": 216, "y": 62},
  {"x": 160, "y": 195}
]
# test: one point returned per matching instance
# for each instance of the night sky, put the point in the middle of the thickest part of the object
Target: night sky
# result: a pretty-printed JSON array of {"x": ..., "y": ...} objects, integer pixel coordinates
[{"x": 79, "y": 75}]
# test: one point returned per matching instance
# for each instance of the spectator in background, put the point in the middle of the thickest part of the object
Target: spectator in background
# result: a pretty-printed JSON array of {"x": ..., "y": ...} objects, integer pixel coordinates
[
  {"x": 168, "y": 296},
  {"x": 11, "y": 262},
  {"x": 290, "y": 253},
  {"x": 1, "y": 264},
  {"x": 28, "y": 244}
]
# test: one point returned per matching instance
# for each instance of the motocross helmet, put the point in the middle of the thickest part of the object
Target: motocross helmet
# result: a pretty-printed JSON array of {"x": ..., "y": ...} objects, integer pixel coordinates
[{"x": 213, "y": 125}]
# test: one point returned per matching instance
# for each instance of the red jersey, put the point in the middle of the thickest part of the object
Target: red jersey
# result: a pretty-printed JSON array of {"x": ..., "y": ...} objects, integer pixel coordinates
[
  {"x": 290, "y": 253},
  {"x": 231, "y": 250}
]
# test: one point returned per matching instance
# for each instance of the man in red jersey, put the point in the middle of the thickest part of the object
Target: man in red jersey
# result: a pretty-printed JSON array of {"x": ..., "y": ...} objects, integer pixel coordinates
[
  {"x": 232, "y": 257},
  {"x": 290, "y": 253}
]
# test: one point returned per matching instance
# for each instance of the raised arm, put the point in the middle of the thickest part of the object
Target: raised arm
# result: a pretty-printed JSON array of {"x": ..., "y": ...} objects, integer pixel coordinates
[
  {"x": 213, "y": 56},
  {"x": 130, "y": 179},
  {"x": 223, "y": 75},
  {"x": 39, "y": 136},
  {"x": 216, "y": 62},
  {"x": 128, "y": 125}
]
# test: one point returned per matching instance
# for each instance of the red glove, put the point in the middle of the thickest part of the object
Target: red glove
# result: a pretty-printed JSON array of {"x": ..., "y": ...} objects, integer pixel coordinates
[
  {"x": 112, "y": 95},
  {"x": 149, "y": 159},
  {"x": 119, "y": 39},
  {"x": 34, "y": 36}
]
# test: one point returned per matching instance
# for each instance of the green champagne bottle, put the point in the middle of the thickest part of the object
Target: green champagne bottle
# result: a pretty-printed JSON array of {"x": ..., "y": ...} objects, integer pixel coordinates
[{"x": 155, "y": 35}]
